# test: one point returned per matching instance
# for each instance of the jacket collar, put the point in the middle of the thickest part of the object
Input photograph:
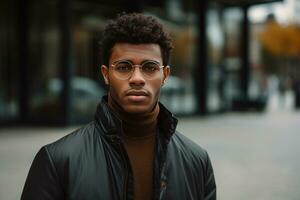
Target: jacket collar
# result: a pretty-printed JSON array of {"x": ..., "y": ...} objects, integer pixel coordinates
[{"x": 112, "y": 125}]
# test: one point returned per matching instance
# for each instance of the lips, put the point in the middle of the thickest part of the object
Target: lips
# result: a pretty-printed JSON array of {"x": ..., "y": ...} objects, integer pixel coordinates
[
  {"x": 137, "y": 96},
  {"x": 137, "y": 93}
]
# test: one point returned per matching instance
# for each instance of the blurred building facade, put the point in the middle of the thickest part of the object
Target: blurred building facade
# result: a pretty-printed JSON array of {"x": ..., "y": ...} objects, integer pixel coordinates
[{"x": 50, "y": 69}]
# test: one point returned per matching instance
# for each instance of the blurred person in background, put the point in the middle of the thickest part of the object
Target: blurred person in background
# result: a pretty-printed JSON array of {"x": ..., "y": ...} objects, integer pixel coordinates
[
  {"x": 132, "y": 149},
  {"x": 296, "y": 90}
]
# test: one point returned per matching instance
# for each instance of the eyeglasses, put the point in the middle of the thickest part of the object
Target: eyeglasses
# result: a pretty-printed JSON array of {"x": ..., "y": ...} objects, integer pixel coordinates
[{"x": 124, "y": 69}]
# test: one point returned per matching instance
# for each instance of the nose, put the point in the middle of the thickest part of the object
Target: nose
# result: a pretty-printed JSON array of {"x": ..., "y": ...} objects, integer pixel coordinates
[{"x": 137, "y": 78}]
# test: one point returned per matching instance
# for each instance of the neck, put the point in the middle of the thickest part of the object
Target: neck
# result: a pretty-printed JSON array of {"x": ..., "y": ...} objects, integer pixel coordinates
[{"x": 135, "y": 125}]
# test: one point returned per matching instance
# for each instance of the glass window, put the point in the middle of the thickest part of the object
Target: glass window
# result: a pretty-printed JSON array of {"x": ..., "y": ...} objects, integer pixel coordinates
[
  {"x": 45, "y": 84},
  {"x": 9, "y": 109},
  {"x": 87, "y": 86},
  {"x": 215, "y": 48},
  {"x": 232, "y": 22}
]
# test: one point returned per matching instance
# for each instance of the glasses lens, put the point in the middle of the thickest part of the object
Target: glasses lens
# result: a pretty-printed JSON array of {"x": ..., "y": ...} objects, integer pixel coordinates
[
  {"x": 123, "y": 69},
  {"x": 150, "y": 69}
]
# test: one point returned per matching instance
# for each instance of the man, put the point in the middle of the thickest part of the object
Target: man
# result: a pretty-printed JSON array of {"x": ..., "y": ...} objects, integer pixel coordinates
[{"x": 132, "y": 149}]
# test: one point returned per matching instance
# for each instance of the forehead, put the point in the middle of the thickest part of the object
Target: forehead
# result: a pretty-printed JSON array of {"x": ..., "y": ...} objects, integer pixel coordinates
[{"x": 136, "y": 52}]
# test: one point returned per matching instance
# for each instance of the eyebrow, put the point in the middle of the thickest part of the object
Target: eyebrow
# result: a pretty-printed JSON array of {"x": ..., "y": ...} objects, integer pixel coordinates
[{"x": 144, "y": 61}]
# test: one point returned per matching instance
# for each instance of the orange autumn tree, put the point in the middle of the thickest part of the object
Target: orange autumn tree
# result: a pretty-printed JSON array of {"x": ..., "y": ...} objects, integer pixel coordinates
[{"x": 281, "y": 48}]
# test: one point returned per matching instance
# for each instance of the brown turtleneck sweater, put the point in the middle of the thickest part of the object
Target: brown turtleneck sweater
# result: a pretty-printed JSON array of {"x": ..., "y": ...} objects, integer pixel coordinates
[{"x": 140, "y": 132}]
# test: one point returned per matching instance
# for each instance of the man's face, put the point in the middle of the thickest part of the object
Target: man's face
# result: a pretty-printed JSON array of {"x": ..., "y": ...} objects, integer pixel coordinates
[{"x": 135, "y": 94}]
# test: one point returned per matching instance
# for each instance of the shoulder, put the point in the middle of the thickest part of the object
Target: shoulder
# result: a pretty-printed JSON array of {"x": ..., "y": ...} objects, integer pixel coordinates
[
  {"x": 188, "y": 148},
  {"x": 73, "y": 143},
  {"x": 193, "y": 161}
]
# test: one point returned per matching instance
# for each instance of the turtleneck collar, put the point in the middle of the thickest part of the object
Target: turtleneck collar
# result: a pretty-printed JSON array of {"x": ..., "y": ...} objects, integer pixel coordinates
[{"x": 135, "y": 125}]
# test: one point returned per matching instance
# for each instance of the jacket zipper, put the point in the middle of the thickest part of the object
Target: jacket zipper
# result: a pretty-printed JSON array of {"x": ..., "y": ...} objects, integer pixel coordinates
[
  {"x": 126, "y": 161},
  {"x": 162, "y": 183},
  {"x": 122, "y": 149}
]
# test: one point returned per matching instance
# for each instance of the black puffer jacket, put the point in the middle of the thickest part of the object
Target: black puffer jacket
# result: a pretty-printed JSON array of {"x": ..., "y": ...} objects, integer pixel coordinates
[{"x": 91, "y": 164}]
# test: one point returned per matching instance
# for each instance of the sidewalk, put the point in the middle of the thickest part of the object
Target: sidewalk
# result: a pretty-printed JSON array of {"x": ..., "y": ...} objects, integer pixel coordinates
[{"x": 255, "y": 155}]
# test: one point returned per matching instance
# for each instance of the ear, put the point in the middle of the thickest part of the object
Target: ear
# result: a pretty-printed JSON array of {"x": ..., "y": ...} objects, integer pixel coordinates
[
  {"x": 104, "y": 72},
  {"x": 166, "y": 71}
]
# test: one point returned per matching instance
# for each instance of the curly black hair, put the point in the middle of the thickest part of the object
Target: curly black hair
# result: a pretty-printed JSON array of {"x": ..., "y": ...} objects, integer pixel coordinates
[{"x": 134, "y": 28}]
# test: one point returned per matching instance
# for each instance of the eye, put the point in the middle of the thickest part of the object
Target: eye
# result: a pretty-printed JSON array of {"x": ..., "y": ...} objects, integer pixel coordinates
[
  {"x": 150, "y": 67},
  {"x": 123, "y": 67}
]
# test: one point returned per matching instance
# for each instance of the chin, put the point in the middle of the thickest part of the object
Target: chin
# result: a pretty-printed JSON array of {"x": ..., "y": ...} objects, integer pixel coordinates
[{"x": 137, "y": 109}]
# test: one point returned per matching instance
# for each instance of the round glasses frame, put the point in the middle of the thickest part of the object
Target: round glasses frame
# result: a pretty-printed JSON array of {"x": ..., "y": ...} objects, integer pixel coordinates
[{"x": 125, "y": 72}]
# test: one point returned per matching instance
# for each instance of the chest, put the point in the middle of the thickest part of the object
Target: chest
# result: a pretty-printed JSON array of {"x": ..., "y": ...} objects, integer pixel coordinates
[{"x": 105, "y": 174}]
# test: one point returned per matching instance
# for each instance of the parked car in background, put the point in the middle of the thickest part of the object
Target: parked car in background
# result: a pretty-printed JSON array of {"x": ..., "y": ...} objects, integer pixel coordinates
[
  {"x": 85, "y": 94},
  {"x": 173, "y": 93}
]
